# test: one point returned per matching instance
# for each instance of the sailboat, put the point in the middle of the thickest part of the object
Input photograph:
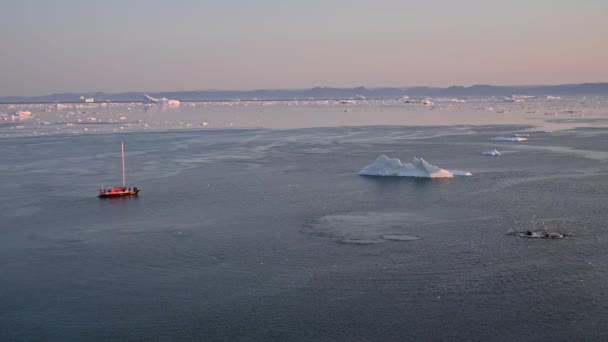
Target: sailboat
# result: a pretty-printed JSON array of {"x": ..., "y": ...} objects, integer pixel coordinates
[{"x": 118, "y": 191}]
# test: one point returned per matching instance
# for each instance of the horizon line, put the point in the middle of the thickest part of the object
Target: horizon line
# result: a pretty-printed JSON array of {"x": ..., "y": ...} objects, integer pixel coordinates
[{"x": 308, "y": 88}]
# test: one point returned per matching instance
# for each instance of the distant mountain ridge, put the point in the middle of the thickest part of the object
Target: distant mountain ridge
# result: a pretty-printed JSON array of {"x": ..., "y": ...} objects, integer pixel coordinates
[{"x": 322, "y": 93}]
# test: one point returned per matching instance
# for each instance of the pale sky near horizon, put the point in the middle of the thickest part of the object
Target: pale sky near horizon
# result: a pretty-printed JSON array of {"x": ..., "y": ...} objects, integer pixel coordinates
[{"x": 114, "y": 46}]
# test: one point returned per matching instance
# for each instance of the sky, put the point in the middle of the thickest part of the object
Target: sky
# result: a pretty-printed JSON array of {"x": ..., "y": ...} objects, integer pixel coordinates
[{"x": 56, "y": 46}]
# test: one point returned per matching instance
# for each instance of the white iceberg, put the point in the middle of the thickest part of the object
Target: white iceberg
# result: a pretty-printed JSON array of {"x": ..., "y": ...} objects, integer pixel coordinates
[
  {"x": 164, "y": 101},
  {"x": 509, "y": 139},
  {"x": 491, "y": 153},
  {"x": 385, "y": 166}
]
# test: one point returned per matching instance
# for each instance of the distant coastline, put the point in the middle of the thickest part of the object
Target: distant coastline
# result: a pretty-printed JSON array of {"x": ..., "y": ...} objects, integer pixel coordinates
[{"x": 322, "y": 93}]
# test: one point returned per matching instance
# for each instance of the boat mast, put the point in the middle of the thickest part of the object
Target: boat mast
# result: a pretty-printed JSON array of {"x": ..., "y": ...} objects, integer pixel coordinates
[{"x": 122, "y": 145}]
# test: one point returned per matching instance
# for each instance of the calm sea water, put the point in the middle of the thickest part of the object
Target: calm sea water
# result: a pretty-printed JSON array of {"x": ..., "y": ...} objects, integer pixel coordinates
[{"x": 269, "y": 234}]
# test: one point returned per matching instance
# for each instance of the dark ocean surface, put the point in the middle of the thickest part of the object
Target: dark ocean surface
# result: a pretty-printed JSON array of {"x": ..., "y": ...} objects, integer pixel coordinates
[{"x": 259, "y": 234}]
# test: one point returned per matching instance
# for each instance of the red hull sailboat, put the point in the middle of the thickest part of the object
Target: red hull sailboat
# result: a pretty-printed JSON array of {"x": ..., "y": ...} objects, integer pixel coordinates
[{"x": 119, "y": 191}]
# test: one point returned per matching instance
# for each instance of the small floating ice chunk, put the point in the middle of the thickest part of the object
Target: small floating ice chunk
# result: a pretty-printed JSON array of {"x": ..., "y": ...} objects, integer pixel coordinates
[
  {"x": 515, "y": 98},
  {"x": 460, "y": 173},
  {"x": 426, "y": 102},
  {"x": 24, "y": 113},
  {"x": 491, "y": 153},
  {"x": 18, "y": 116},
  {"x": 509, "y": 139},
  {"x": 449, "y": 99},
  {"x": 385, "y": 166}
]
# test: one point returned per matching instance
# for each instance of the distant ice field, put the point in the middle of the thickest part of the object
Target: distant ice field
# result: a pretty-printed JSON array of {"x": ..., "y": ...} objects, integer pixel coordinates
[{"x": 547, "y": 113}]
